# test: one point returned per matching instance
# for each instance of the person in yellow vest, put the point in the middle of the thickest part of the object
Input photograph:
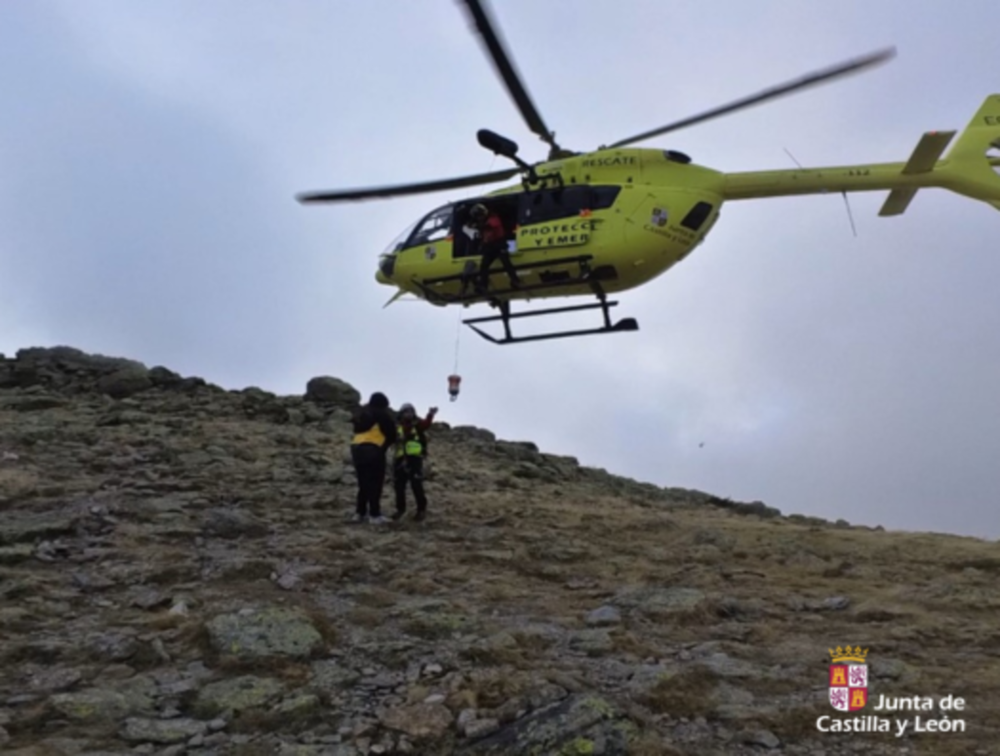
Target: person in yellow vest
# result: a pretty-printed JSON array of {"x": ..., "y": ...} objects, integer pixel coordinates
[
  {"x": 411, "y": 449},
  {"x": 374, "y": 434}
]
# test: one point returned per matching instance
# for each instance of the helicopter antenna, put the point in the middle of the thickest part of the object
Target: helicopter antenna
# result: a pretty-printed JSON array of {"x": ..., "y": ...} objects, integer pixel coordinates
[
  {"x": 847, "y": 202},
  {"x": 850, "y": 216},
  {"x": 792, "y": 157}
]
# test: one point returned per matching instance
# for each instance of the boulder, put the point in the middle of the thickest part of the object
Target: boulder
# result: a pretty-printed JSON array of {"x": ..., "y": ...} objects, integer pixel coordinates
[
  {"x": 325, "y": 389},
  {"x": 263, "y": 634},
  {"x": 125, "y": 382}
]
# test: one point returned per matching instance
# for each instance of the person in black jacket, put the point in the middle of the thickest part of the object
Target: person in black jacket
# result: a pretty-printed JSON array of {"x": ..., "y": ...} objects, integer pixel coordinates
[{"x": 374, "y": 434}]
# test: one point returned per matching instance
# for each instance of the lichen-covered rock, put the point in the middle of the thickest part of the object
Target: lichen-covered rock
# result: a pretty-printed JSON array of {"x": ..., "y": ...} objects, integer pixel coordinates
[
  {"x": 19, "y": 552},
  {"x": 724, "y": 665},
  {"x": 604, "y": 616},
  {"x": 297, "y": 708},
  {"x": 53, "y": 679},
  {"x": 98, "y": 705},
  {"x": 593, "y": 641},
  {"x": 108, "y": 646},
  {"x": 660, "y": 602},
  {"x": 18, "y": 527},
  {"x": 236, "y": 694},
  {"x": 328, "y": 677},
  {"x": 888, "y": 668},
  {"x": 233, "y": 523},
  {"x": 420, "y": 722},
  {"x": 165, "y": 731},
  {"x": 264, "y": 633}
]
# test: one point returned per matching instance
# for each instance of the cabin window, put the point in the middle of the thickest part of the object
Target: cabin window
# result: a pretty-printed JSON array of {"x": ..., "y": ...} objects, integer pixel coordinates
[
  {"x": 570, "y": 201},
  {"x": 697, "y": 216},
  {"x": 604, "y": 196},
  {"x": 434, "y": 227}
]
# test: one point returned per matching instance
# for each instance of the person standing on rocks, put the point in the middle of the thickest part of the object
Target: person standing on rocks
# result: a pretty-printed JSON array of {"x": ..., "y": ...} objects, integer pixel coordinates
[
  {"x": 374, "y": 433},
  {"x": 411, "y": 448}
]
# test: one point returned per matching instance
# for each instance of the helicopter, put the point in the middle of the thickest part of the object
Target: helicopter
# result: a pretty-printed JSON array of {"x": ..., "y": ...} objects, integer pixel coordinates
[{"x": 612, "y": 219}]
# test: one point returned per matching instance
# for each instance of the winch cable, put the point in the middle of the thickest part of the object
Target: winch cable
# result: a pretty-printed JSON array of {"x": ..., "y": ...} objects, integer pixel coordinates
[{"x": 458, "y": 338}]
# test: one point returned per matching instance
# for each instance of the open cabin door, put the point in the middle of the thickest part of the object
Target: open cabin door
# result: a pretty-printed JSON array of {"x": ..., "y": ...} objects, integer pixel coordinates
[{"x": 464, "y": 243}]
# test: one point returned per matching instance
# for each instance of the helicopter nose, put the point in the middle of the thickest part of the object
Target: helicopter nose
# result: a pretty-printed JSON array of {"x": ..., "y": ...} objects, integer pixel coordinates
[{"x": 385, "y": 268}]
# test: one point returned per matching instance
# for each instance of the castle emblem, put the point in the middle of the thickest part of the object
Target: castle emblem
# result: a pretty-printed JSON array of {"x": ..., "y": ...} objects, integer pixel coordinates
[{"x": 848, "y": 678}]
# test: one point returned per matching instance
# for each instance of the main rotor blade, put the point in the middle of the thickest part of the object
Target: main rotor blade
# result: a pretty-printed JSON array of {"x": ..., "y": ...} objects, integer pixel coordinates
[
  {"x": 504, "y": 67},
  {"x": 809, "y": 80},
  {"x": 401, "y": 189}
]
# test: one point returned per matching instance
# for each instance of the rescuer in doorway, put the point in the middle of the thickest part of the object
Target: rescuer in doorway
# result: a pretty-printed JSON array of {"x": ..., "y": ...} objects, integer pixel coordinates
[
  {"x": 411, "y": 449},
  {"x": 492, "y": 246},
  {"x": 374, "y": 434}
]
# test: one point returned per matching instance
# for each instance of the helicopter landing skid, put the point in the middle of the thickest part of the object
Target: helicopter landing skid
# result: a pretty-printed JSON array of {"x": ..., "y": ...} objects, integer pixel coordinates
[{"x": 626, "y": 324}]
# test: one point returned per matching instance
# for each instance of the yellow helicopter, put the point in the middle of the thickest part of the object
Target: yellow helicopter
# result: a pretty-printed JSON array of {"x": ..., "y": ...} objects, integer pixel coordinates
[{"x": 602, "y": 222}]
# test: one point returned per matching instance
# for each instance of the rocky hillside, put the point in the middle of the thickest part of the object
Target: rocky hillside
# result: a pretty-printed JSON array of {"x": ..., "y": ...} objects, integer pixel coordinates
[{"x": 177, "y": 577}]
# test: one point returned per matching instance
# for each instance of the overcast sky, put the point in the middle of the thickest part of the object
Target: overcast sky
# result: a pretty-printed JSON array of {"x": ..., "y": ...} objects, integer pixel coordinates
[{"x": 150, "y": 153}]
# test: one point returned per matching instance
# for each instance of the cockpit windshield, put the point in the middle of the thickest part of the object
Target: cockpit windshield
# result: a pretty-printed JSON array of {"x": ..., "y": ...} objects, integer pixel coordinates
[
  {"x": 434, "y": 227},
  {"x": 397, "y": 244}
]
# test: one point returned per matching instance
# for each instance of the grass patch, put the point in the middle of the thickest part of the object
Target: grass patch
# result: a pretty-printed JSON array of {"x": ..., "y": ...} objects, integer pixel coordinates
[
  {"x": 375, "y": 598},
  {"x": 166, "y": 621},
  {"x": 491, "y": 687},
  {"x": 366, "y": 617},
  {"x": 533, "y": 642},
  {"x": 416, "y": 586},
  {"x": 650, "y": 744},
  {"x": 494, "y": 656},
  {"x": 986, "y": 564},
  {"x": 437, "y": 626},
  {"x": 686, "y": 694},
  {"x": 629, "y": 643},
  {"x": 324, "y": 626},
  {"x": 193, "y": 633},
  {"x": 30, "y": 720}
]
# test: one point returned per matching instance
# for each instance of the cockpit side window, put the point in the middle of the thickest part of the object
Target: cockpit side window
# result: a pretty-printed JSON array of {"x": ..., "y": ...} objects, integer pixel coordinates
[{"x": 434, "y": 227}]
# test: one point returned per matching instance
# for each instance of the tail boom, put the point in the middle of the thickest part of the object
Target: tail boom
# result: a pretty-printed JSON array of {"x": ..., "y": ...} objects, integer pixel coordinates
[
  {"x": 847, "y": 178},
  {"x": 967, "y": 169}
]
